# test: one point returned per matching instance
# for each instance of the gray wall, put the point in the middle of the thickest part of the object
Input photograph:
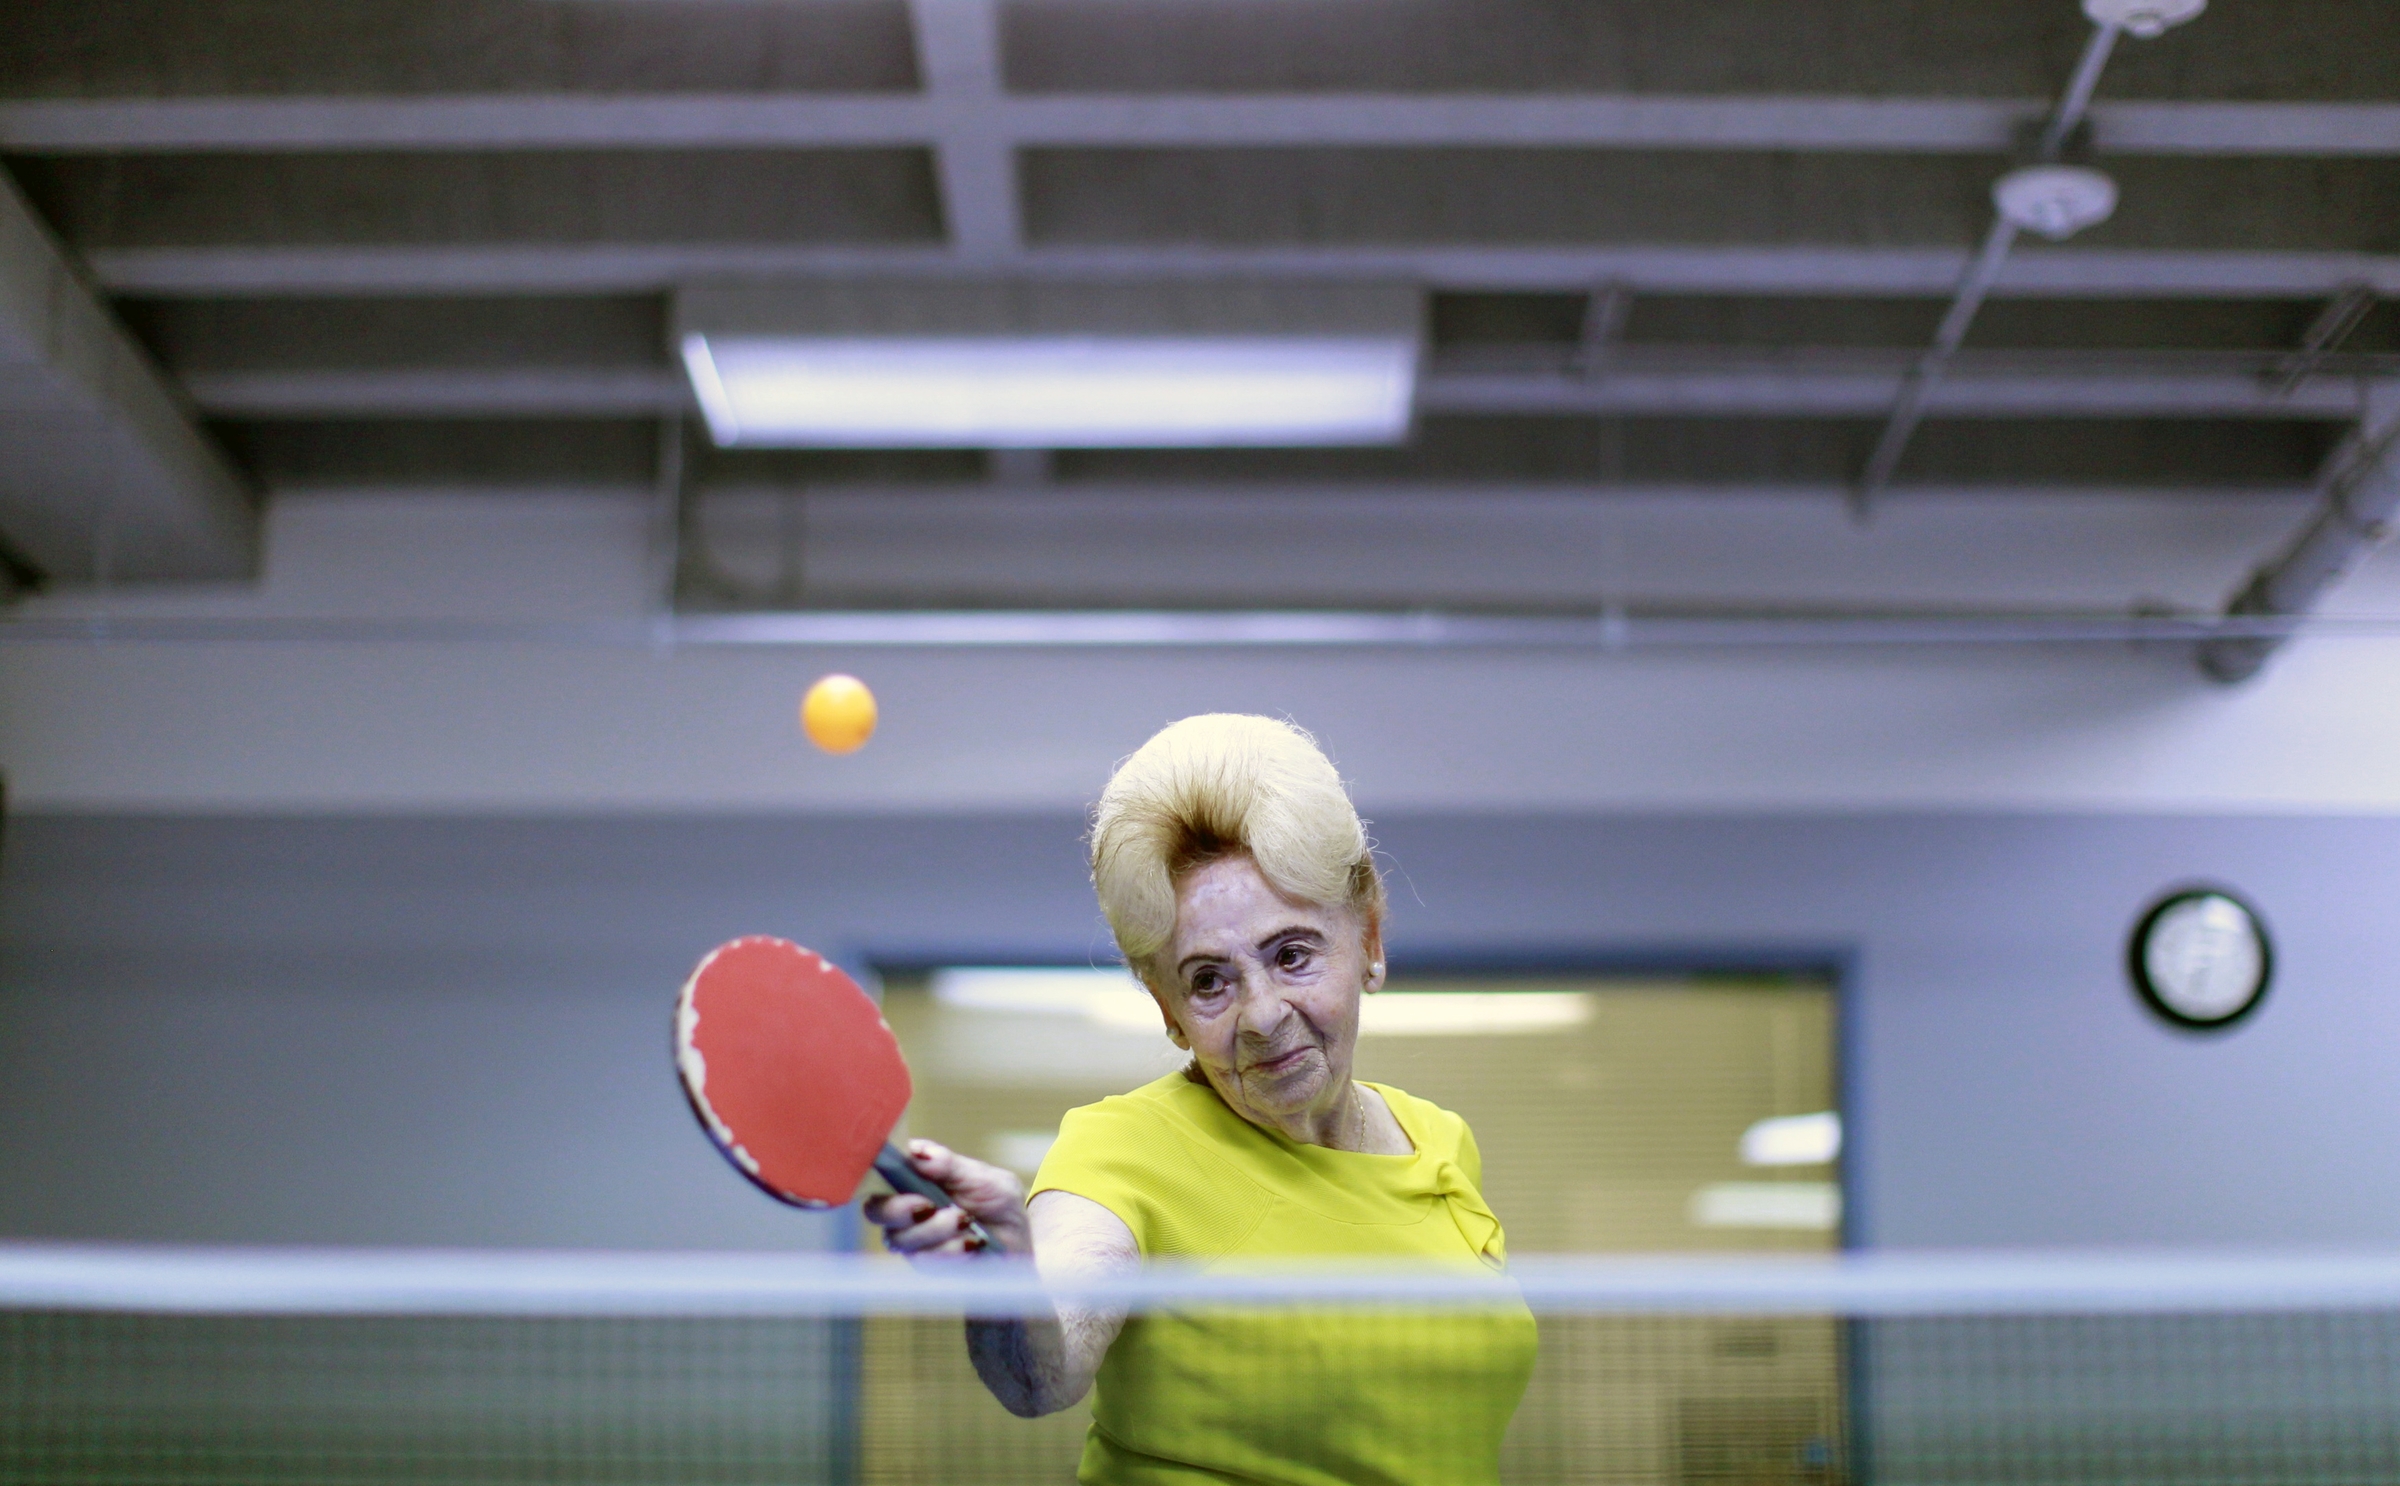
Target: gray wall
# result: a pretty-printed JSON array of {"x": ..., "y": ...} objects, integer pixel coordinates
[{"x": 383, "y": 1030}]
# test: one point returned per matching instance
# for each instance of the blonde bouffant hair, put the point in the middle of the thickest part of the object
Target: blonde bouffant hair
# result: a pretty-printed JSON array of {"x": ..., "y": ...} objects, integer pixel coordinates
[{"x": 1220, "y": 785}]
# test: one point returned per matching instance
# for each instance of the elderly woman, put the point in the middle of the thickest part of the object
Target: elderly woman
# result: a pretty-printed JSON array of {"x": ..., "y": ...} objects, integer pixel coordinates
[{"x": 1241, "y": 888}]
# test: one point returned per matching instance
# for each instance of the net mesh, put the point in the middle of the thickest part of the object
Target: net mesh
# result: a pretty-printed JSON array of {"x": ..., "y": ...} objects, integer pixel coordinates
[{"x": 1731, "y": 1375}]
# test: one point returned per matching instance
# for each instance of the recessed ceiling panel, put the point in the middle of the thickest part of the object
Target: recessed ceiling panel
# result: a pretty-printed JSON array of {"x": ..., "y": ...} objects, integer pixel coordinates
[
  {"x": 491, "y": 454},
  {"x": 2297, "y": 49},
  {"x": 176, "y": 48},
  {"x": 492, "y": 197},
  {"x": 293, "y": 334},
  {"x": 1824, "y": 453},
  {"x": 1390, "y": 195},
  {"x": 1397, "y": 195}
]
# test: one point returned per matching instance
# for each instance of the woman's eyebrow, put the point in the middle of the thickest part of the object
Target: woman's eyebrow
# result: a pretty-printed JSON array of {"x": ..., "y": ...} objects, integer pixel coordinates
[{"x": 1292, "y": 931}]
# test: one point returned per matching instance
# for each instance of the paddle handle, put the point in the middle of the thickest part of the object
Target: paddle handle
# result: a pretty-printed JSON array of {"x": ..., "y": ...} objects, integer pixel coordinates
[{"x": 895, "y": 1170}]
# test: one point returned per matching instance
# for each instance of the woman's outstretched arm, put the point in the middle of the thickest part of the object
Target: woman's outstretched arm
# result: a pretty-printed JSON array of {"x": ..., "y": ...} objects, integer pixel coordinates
[{"x": 1039, "y": 1364}]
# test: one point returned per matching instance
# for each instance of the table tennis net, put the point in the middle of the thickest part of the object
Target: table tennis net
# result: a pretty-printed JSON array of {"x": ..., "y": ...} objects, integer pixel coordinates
[{"x": 141, "y": 1366}]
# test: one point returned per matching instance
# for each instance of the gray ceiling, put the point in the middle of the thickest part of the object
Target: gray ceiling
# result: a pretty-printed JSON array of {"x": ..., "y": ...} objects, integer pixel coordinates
[{"x": 427, "y": 243}]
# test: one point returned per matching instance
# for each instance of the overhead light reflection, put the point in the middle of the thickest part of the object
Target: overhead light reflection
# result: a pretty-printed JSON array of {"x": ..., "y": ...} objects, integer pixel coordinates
[
  {"x": 1793, "y": 1140},
  {"x": 1806, "y": 1205}
]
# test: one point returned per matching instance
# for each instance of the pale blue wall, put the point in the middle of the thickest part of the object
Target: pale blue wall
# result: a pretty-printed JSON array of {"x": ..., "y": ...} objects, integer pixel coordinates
[{"x": 453, "y": 1031}]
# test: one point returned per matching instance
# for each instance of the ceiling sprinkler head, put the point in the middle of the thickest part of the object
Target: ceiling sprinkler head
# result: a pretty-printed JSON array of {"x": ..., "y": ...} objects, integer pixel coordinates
[
  {"x": 2055, "y": 201},
  {"x": 2142, "y": 18}
]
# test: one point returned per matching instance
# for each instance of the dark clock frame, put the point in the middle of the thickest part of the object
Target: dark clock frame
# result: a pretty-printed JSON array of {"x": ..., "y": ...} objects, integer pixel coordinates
[{"x": 2138, "y": 970}]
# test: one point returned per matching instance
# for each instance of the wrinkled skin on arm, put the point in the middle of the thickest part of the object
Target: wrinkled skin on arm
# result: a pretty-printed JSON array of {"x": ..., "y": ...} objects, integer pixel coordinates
[{"x": 1034, "y": 1364}]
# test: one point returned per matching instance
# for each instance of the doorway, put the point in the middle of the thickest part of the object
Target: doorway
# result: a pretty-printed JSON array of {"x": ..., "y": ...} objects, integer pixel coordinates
[{"x": 1616, "y": 1113}]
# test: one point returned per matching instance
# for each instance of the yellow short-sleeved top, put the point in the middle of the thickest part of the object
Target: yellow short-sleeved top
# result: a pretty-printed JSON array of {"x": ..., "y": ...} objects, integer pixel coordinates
[{"x": 1336, "y": 1399}]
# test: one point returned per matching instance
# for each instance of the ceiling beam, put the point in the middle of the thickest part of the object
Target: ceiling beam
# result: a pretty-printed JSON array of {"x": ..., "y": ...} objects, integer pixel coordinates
[
  {"x": 964, "y": 108},
  {"x": 103, "y": 476},
  {"x": 958, "y": 56},
  {"x": 1727, "y": 384},
  {"x": 632, "y": 268}
]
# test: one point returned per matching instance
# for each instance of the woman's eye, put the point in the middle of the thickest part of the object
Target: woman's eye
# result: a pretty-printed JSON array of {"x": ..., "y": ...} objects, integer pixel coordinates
[{"x": 1293, "y": 957}]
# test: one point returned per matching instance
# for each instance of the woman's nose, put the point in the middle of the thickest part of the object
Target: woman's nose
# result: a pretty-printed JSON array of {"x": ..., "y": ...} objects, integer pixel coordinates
[{"x": 1263, "y": 1009}]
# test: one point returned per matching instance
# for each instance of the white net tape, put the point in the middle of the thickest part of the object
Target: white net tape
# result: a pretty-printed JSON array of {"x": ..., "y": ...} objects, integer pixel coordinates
[{"x": 237, "y": 1281}]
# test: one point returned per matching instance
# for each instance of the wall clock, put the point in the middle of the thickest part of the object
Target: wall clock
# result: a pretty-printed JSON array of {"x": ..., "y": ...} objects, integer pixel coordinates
[{"x": 2201, "y": 958}]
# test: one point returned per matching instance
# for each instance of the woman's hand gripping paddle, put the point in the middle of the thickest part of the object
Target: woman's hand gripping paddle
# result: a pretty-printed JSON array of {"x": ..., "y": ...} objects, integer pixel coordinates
[{"x": 795, "y": 1075}]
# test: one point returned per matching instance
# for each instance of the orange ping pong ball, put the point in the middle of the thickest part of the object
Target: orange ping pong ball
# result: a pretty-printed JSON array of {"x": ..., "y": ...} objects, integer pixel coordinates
[{"x": 838, "y": 713}]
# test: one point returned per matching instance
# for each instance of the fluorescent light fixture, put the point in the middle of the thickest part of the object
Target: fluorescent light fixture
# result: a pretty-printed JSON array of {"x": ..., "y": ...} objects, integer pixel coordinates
[
  {"x": 1793, "y": 1140},
  {"x": 1471, "y": 1013},
  {"x": 1808, "y": 1205},
  {"x": 1050, "y": 393},
  {"x": 988, "y": 366}
]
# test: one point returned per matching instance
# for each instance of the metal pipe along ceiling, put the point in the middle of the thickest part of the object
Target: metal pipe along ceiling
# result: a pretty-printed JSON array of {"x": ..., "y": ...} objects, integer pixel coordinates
[
  {"x": 2362, "y": 500},
  {"x": 1909, "y": 410}
]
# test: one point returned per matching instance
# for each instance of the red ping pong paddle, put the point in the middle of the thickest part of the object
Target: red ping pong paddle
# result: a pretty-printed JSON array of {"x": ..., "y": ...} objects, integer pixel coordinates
[{"x": 794, "y": 1074}]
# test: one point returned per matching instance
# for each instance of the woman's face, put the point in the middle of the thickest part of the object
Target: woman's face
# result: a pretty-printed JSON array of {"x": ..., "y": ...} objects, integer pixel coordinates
[{"x": 1264, "y": 991}]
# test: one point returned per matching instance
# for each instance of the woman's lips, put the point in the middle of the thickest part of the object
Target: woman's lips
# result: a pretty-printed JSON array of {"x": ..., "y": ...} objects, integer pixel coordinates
[{"x": 1282, "y": 1062}]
